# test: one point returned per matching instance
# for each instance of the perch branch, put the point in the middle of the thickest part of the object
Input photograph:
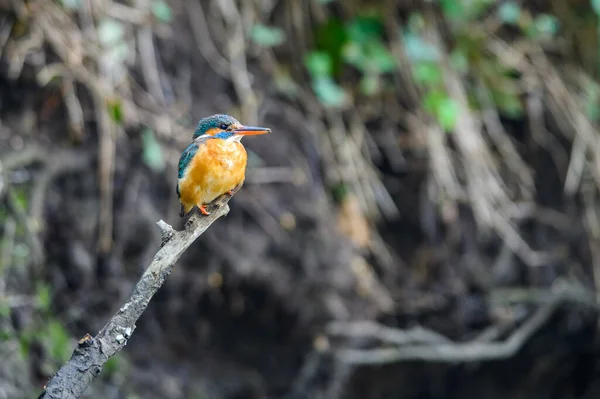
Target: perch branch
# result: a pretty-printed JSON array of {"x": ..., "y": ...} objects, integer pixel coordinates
[{"x": 91, "y": 353}]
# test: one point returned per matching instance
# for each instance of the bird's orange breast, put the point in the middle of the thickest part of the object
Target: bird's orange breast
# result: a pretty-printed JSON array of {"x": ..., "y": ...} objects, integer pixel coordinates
[{"x": 217, "y": 167}]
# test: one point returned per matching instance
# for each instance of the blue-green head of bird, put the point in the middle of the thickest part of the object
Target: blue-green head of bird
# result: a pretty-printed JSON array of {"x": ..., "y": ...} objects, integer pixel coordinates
[{"x": 225, "y": 127}]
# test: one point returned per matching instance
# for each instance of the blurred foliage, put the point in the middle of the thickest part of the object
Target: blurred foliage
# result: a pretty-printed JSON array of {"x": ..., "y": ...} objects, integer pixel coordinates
[
  {"x": 115, "y": 110},
  {"x": 362, "y": 46},
  {"x": 357, "y": 44},
  {"x": 267, "y": 36},
  {"x": 161, "y": 11},
  {"x": 152, "y": 152},
  {"x": 46, "y": 331},
  {"x": 71, "y": 4}
]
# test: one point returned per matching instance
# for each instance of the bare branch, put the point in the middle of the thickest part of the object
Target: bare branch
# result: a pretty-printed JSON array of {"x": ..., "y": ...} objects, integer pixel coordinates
[
  {"x": 75, "y": 376},
  {"x": 451, "y": 352},
  {"x": 426, "y": 345}
]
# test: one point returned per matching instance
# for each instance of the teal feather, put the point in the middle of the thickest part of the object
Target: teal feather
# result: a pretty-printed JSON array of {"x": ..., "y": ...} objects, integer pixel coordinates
[
  {"x": 186, "y": 158},
  {"x": 213, "y": 122}
]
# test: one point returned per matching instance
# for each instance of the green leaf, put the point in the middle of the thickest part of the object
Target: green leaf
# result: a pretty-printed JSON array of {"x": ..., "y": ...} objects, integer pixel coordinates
[
  {"x": 442, "y": 107},
  {"x": 115, "y": 110},
  {"x": 453, "y": 9},
  {"x": 509, "y": 12},
  {"x": 416, "y": 23},
  {"x": 365, "y": 28},
  {"x": 340, "y": 191},
  {"x": 370, "y": 84},
  {"x": 596, "y": 6},
  {"x": 329, "y": 93},
  {"x": 284, "y": 84},
  {"x": 267, "y": 36},
  {"x": 319, "y": 64},
  {"x": 25, "y": 344},
  {"x": 71, "y": 4},
  {"x": 509, "y": 104},
  {"x": 112, "y": 366},
  {"x": 431, "y": 101},
  {"x": 459, "y": 61},
  {"x": 592, "y": 111},
  {"x": 21, "y": 251},
  {"x": 152, "y": 151},
  {"x": 330, "y": 37},
  {"x": 447, "y": 113},
  {"x": 427, "y": 73},
  {"x": 6, "y": 334},
  {"x": 161, "y": 11},
  {"x": 20, "y": 196},
  {"x": 418, "y": 49},
  {"x": 591, "y": 102},
  {"x": 58, "y": 341},
  {"x": 43, "y": 297},
  {"x": 353, "y": 54},
  {"x": 373, "y": 57},
  {"x": 4, "y": 308},
  {"x": 546, "y": 25},
  {"x": 110, "y": 31},
  {"x": 380, "y": 58}
]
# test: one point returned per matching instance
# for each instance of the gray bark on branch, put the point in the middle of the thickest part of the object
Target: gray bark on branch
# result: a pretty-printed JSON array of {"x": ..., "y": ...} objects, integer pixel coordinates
[{"x": 73, "y": 378}]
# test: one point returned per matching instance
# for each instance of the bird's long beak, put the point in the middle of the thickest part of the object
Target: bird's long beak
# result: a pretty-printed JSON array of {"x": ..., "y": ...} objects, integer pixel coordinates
[{"x": 251, "y": 130}]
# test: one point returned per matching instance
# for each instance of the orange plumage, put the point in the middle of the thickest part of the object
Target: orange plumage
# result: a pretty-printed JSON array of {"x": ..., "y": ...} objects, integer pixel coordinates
[
  {"x": 217, "y": 167},
  {"x": 214, "y": 163}
]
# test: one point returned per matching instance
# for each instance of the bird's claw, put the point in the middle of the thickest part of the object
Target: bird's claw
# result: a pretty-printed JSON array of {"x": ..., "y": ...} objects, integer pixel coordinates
[
  {"x": 204, "y": 211},
  {"x": 234, "y": 190}
]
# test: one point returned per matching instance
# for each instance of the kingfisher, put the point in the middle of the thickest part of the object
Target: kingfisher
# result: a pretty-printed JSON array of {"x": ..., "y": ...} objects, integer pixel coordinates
[{"x": 214, "y": 163}]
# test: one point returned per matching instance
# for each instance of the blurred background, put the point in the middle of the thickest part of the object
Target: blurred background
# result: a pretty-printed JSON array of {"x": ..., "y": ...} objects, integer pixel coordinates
[{"x": 423, "y": 222}]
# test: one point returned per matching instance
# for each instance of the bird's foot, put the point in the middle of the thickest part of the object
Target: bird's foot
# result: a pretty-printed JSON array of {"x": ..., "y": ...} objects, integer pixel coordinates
[
  {"x": 203, "y": 210},
  {"x": 235, "y": 189}
]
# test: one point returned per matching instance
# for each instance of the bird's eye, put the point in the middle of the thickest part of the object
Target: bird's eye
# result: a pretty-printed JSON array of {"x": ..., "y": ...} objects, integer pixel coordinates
[{"x": 223, "y": 127}]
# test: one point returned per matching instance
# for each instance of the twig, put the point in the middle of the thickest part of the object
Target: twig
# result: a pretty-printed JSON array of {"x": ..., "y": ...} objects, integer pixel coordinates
[
  {"x": 106, "y": 169},
  {"x": 567, "y": 293},
  {"x": 148, "y": 65},
  {"x": 452, "y": 352},
  {"x": 91, "y": 353},
  {"x": 206, "y": 46},
  {"x": 387, "y": 335},
  {"x": 436, "y": 348},
  {"x": 74, "y": 110}
]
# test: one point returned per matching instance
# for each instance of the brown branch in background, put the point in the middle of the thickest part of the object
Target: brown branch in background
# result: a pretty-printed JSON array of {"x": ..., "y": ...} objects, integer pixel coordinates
[
  {"x": 106, "y": 168},
  {"x": 426, "y": 345},
  {"x": 451, "y": 352},
  {"x": 92, "y": 353}
]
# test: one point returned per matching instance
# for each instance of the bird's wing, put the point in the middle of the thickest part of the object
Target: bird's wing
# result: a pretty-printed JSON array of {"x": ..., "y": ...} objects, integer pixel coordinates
[
  {"x": 186, "y": 158},
  {"x": 184, "y": 161}
]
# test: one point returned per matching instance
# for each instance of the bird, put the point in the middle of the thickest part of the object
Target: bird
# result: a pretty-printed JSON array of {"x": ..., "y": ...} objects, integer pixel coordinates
[{"x": 214, "y": 163}]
